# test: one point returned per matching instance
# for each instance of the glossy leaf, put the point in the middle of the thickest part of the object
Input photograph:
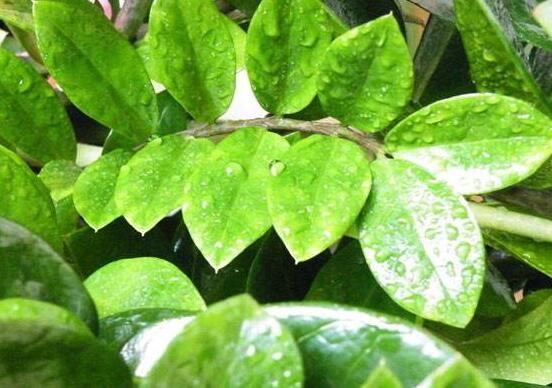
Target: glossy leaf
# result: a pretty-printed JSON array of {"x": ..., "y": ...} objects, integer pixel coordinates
[
  {"x": 285, "y": 41},
  {"x": 543, "y": 14},
  {"x": 456, "y": 373},
  {"x": 97, "y": 68},
  {"x": 192, "y": 54},
  {"x": 319, "y": 187},
  {"x": 144, "y": 282},
  {"x": 59, "y": 176},
  {"x": 341, "y": 346},
  {"x": 225, "y": 206},
  {"x": 94, "y": 190},
  {"x": 152, "y": 183},
  {"x": 518, "y": 350},
  {"x": 422, "y": 243},
  {"x": 495, "y": 65},
  {"x": 366, "y": 77},
  {"x": 32, "y": 118},
  {"x": 17, "y": 12},
  {"x": 233, "y": 343},
  {"x": 476, "y": 143},
  {"x": 31, "y": 269},
  {"x": 25, "y": 200},
  {"x": 382, "y": 377}
]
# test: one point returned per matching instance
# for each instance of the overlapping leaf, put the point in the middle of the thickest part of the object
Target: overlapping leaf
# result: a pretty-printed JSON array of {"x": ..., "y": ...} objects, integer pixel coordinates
[
  {"x": 422, "y": 243},
  {"x": 59, "y": 176},
  {"x": 17, "y": 12}
]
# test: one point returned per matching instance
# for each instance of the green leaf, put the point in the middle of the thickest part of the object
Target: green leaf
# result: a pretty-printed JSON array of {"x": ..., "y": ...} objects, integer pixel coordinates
[
  {"x": 496, "y": 296},
  {"x": 477, "y": 143},
  {"x": 38, "y": 354},
  {"x": 32, "y": 118},
  {"x": 529, "y": 303},
  {"x": 422, "y": 243},
  {"x": 144, "y": 282},
  {"x": 285, "y": 42},
  {"x": 495, "y": 65},
  {"x": 59, "y": 176},
  {"x": 192, "y": 54},
  {"x": 319, "y": 188},
  {"x": 235, "y": 344},
  {"x": 94, "y": 190},
  {"x": 225, "y": 207},
  {"x": 341, "y": 346},
  {"x": 97, "y": 68},
  {"x": 152, "y": 183},
  {"x": 456, "y": 373},
  {"x": 17, "y": 12},
  {"x": 31, "y": 269},
  {"x": 239, "y": 38},
  {"x": 382, "y": 377},
  {"x": 365, "y": 79},
  {"x": 541, "y": 179},
  {"x": 525, "y": 25},
  {"x": 517, "y": 350},
  {"x": 172, "y": 116},
  {"x": 543, "y": 14},
  {"x": 25, "y": 200}
]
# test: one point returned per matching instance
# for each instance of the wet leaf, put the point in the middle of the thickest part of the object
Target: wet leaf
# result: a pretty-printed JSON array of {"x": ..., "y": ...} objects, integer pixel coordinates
[
  {"x": 233, "y": 343},
  {"x": 476, "y": 143},
  {"x": 152, "y": 183},
  {"x": 94, "y": 190},
  {"x": 456, "y": 373},
  {"x": 32, "y": 118},
  {"x": 318, "y": 190},
  {"x": 144, "y": 282},
  {"x": 97, "y": 68},
  {"x": 422, "y": 243},
  {"x": 365, "y": 79},
  {"x": 225, "y": 206},
  {"x": 59, "y": 176},
  {"x": 285, "y": 42},
  {"x": 192, "y": 54}
]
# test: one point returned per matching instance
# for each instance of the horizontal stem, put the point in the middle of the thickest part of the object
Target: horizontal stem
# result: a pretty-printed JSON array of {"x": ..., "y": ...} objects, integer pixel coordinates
[
  {"x": 499, "y": 218},
  {"x": 363, "y": 139}
]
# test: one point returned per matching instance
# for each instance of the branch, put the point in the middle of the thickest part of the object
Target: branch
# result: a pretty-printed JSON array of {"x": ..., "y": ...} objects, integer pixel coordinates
[
  {"x": 131, "y": 16},
  {"x": 500, "y": 218},
  {"x": 365, "y": 140}
]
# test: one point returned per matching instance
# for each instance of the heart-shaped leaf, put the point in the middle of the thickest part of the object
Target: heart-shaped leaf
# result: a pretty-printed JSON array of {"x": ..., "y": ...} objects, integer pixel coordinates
[
  {"x": 365, "y": 79},
  {"x": 422, "y": 243},
  {"x": 320, "y": 187},
  {"x": 477, "y": 143}
]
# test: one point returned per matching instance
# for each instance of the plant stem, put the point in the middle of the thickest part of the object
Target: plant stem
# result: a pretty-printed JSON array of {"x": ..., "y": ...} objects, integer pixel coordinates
[
  {"x": 500, "y": 218},
  {"x": 365, "y": 140},
  {"x": 131, "y": 16}
]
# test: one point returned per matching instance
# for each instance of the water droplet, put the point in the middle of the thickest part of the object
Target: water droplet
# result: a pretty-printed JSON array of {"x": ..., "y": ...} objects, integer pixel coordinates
[
  {"x": 24, "y": 84},
  {"x": 276, "y": 167},
  {"x": 463, "y": 250},
  {"x": 450, "y": 269},
  {"x": 233, "y": 168}
]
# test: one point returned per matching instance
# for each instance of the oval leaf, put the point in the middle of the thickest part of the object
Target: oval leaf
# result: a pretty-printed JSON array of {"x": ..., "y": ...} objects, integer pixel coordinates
[
  {"x": 321, "y": 189},
  {"x": 144, "y": 282},
  {"x": 192, "y": 54},
  {"x": 285, "y": 40},
  {"x": 31, "y": 269},
  {"x": 366, "y": 77},
  {"x": 32, "y": 118},
  {"x": 94, "y": 190},
  {"x": 422, "y": 243},
  {"x": 97, "y": 68},
  {"x": 225, "y": 207},
  {"x": 235, "y": 344},
  {"x": 477, "y": 143},
  {"x": 152, "y": 183}
]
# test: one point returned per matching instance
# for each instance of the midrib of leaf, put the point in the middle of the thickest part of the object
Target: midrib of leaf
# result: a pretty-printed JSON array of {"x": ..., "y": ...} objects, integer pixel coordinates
[
  {"x": 326, "y": 161},
  {"x": 284, "y": 86}
]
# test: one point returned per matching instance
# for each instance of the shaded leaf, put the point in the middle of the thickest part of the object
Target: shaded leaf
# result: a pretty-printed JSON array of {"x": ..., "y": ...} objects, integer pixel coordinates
[
  {"x": 59, "y": 176},
  {"x": 526, "y": 27},
  {"x": 173, "y": 117},
  {"x": 382, "y": 377},
  {"x": 17, "y": 12},
  {"x": 457, "y": 372}
]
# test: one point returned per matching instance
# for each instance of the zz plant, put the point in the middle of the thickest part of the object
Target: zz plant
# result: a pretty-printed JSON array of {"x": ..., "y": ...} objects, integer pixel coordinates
[{"x": 367, "y": 176}]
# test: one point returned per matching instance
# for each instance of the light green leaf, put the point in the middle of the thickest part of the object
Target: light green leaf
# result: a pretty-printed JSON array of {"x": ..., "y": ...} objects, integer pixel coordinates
[
  {"x": 422, "y": 243},
  {"x": 144, "y": 282},
  {"x": 543, "y": 14},
  {"x": 232, "y": 344},
  {"x": 32, "y": 118},
  {"x": 494, "y": 63},
  {"x": 97, "y": 68},
  {"x": 239, "y": 37},
  {"x": 477, "y": 143},
  {"x": 25, "y": 200},
  {"x": 366, "y": 77},
  {"x": 191, "y": 52},
  {"x": 59, "y": 176},
  {"x": 152, "y": 183},
  {"x": 319, "y": 188},
  {"x": 382, "y": 377},
  {"x": 517, "y": 350},
  {"x": 285, "y": 41},
  {"x": 94, "y": 190},
  {"x": 457, "y": 372},
  {"x": 225, "y": 208},
  {"x": 17, "y": 12},
  {"x": 32, "y": 270}
]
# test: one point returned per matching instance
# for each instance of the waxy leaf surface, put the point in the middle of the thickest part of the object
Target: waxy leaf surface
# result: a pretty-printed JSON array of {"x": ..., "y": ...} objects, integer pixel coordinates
[
  {"x": 366, "y": 76},
  {"x": 319, "y": 188},
  {"x": 422, "y": 243},
  {"x": 476, "y": 143}
]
